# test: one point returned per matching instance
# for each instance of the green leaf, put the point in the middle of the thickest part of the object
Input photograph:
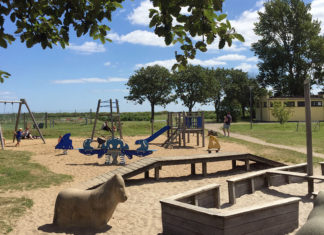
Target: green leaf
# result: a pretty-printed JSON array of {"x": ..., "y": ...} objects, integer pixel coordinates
[
  {"x": 3, "y": 43},
  {"x": 221, "y": 43},
  {"x": 168, "y": 39},
  {"x": 239, "y": 37},
  {"x": 221, "y": 17},
  {"x": 13, "y": 17}
]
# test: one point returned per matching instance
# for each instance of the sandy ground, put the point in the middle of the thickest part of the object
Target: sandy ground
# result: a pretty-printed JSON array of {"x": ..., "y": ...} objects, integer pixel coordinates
[{"x": 141, "y": 213}]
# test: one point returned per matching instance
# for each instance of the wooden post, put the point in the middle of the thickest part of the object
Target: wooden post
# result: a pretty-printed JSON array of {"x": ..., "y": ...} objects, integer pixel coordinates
[
  {"x": 1, "y": 138},
  {"x": 23, "y": 101},
  {"x": 204, "y": 168},
  {"x": 156, "y": 173},
  {"x": 233, "y": 164},
  {"x": 46, "y": 119},
  {"x": 17, "y": 121},
  {"x": 112, "y": 119},
  {"x": 247, "y": 164},
  {"x": 252, "y": 185},
  {"x": 147, "y": 174},
  {"x": 308, "y": 120},
  {"x": 179, "y": 126},
  {"x": 193, "y": 168},
  {"x": 96, "y": 118},
  {"x": 184, "y": 129},
  {"x": 203, "y": 128},
  {"x": 119, "y": 124},
  {"x": 231, "y": 192}
]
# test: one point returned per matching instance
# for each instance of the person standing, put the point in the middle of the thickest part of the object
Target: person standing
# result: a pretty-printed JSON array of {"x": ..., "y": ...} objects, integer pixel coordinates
[
  {"x": 227, "y": 124},
  {"x": 18, "y": 136}
]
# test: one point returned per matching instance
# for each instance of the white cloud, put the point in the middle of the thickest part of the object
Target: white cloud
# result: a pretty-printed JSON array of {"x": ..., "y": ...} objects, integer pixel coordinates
[
  {"x": 169, "y": 63},
  {"x": 246, "y": 67},
  {"x": 87, "y": 48},
  {"x": 140, "y": 37},
  {"x": 107, "y": 64},
  {"x": 232, "y": 57},
  {"x": 140, "y": 15},
  {"x": 318, "y": 12},
  {"x": 90, "y": 80},
  {"x": 245, "y": 25}
]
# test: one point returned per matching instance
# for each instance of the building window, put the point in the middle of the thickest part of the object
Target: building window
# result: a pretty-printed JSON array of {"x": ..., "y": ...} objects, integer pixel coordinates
[
  {"x": 271, "y": 104},
  {"x": 264, "y": 104},
  {"x": 301, "y": 103},
  {"x": 290, "y": 104},
  {"x": 316, "y": 103}
]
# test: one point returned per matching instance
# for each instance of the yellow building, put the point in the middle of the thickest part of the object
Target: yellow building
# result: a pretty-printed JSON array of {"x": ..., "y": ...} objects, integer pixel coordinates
[{"x": 296, "y": 104}]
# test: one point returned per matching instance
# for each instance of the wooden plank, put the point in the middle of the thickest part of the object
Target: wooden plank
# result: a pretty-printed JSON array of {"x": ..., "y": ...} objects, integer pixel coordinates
[
  {"x": 190, "y": 226},
  {"x": 279, "y": 224},
  {"x": 290, "y": 173},
  {"x": 188, "y": 214}
]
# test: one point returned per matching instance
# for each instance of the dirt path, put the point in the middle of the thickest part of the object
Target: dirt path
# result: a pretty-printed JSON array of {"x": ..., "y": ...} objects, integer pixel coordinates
[{"x": 219, "y": 126}]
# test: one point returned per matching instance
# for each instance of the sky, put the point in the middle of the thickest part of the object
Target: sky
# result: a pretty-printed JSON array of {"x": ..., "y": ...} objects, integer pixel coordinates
[{"x": 73, "y": 79}]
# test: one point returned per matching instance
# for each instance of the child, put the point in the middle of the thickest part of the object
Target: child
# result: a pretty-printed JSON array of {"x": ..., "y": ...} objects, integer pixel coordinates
[
  {"x": 18, "y": 136},
  {"x": 58, "y": 141}
]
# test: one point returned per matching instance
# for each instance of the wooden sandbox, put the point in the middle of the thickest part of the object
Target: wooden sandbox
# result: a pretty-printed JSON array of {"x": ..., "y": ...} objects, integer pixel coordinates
[{"x": 194, "y": 212}]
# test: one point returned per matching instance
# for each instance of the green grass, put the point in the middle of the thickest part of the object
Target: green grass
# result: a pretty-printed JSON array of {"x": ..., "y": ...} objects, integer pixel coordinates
[
  {"x": 282, "y": 134},
  {"x": 10, "y": 210},
  {"x": 275, "y": 154},
  {"x": 129, "y": 128},
  {"x": 18, "y": 173}
]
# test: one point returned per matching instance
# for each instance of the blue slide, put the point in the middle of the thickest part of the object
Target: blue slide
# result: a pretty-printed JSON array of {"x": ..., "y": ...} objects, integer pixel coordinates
[{"x": 155, "y": 135}]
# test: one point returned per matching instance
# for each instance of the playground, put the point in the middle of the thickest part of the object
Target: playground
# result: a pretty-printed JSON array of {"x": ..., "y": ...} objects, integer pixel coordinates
[{"x": 141, "y": 213}]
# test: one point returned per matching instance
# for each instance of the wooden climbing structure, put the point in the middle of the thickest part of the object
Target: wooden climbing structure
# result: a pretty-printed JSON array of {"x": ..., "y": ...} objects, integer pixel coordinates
[
  {"x": 113, "y": 117},
  {"x": 183, "y": 124}
]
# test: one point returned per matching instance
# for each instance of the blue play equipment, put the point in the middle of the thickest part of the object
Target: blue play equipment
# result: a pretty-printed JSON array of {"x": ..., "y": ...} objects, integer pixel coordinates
[
  {"x": 155, "y": 135},
  {"x": 65, "y": 142},
  {"x": 115, "y": 147}
]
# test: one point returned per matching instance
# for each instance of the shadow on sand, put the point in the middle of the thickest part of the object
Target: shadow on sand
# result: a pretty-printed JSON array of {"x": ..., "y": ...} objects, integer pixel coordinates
[{"x": 52, "y": 228}]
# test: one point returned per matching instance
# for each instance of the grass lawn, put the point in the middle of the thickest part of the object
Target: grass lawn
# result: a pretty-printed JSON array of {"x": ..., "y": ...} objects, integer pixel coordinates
[
  {"x": 286, "y": 134},
  {"x": 18, "y": 173},
  {"x": 275, "y": 154}
]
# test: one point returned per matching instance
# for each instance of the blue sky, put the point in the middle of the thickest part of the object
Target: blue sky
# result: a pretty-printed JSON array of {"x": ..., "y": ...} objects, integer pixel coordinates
[{"x": 73, "y": 79}]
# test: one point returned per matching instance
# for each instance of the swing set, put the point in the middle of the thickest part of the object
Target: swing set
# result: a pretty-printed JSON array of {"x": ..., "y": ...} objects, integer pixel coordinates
[{"x": 21, "y": 102}]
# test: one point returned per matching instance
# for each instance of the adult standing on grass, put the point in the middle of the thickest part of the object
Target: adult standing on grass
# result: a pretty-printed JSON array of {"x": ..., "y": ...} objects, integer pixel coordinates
[
  {"x": 18, "y": 137},
  {"x": 227, "y": 123}
]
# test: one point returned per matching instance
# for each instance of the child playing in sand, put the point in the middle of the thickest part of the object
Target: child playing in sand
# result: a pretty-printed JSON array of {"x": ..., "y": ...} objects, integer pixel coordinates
[{"x": 18, "y": 136}]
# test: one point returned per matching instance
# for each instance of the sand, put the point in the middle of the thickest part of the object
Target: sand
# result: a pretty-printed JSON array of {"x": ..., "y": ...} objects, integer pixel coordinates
[{"x": 141, "y": 213}]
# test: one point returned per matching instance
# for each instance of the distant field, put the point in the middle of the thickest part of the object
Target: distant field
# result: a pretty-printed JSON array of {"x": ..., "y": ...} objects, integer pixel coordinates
[{"x": 286, "y": 134}]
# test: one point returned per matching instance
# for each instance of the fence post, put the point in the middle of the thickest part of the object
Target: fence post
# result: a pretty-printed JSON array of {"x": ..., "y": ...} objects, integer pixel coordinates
[{"x": 46, "y": 118}]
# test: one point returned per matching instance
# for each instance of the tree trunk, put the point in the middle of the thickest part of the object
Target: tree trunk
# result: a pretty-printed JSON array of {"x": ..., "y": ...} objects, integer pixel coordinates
[{"x": 152, "y": 118}]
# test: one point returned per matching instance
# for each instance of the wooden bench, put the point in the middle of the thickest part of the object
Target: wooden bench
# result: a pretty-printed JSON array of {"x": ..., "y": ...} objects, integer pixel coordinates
[{"x": 183, "y": 215}]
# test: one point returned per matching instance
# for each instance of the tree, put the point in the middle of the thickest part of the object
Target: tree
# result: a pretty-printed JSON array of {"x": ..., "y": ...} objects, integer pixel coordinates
[
  {"x": 281, "y": 112},
  {"x": 154, "y": 84},
  {"x": 191, "y": 85},
  {"x": 49, "y": 22},
  {"x": 215, "y": 80},
  {"x": 290, "y": 49},
  {"x": 236, "y": 88}
]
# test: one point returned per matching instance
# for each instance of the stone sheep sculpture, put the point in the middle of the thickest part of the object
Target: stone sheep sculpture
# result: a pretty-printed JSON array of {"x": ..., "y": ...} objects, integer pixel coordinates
[
  {"x": 75, "y": 208},
  {"x": 315, "y": 221}
]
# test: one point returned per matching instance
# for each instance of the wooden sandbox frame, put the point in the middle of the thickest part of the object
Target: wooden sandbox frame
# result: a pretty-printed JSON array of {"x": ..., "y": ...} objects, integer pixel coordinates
[{"x": 194, "y": 212}]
